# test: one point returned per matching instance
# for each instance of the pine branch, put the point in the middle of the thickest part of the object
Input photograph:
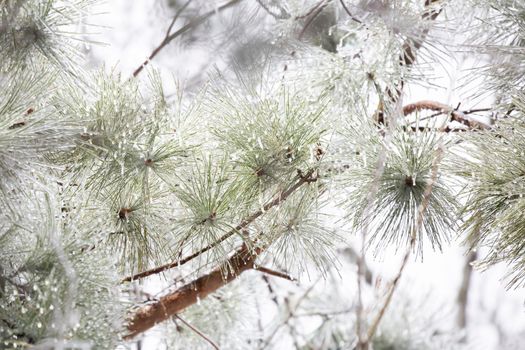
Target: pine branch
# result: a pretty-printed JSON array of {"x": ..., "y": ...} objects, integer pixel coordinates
[
  {"x": 195, "y": 23},
  {"x": 242, "y": 260},
  {"x": 278, "y": 199},
  {"x": 395, "y": 282}
]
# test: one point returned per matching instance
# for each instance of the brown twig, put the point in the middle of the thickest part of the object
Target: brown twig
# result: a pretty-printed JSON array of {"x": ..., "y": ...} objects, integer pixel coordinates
[
  {"x": 275, "y": 273},
  {"x": 466, "y": 112},
  {"x": 278, "y": 199},
  {"x": 446, "y": 129},
  {"x": 197, "y": 331},
  {"x": 194, "y": 23},
  {"x": 455, "y": 115}
]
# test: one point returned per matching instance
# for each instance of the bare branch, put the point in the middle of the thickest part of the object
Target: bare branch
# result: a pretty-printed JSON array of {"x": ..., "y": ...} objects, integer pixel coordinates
[
  {"x": 347, "y": 10},
  {"x": 312, "y": 14},
  {"x": 197, "y": 331},
  {"x": 462, "y": 298},
  {"x": 275, "y": 273},
  {"x": 179, "y": 12},
  {"x": 195, "y": 23},
  {"x": 353, "y": 256}
]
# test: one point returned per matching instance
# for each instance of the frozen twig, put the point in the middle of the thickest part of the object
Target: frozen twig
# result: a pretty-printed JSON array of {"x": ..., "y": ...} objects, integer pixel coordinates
[
  {"x": 192, "y": 24},
  {"x": 462, "y": 298},
  {"x": 198, "y": 332},
  {"x": 312, "y": 14},
  {"x": 275, "y": 273},
  {"x": 347, "y": 10}
]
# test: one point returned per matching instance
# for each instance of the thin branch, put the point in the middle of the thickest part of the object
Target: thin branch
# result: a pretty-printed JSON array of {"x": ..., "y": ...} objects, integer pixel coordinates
[
  {"x": 362, "y": 343},
  {"x": 445, "y": 129},
  {"x": 275, "y": 273},
  {"x": 177, "y": 15},
  {"x": 278, "y": 199},
  {"x": 270, "y": 290},
  {"x": 462, "y": 298},
  {"x": 311, "y": 11},
  {"x": 326, "y": 314},
  {"x": 466, "y": 112},
  {"x": 318, "y": 9},
  {"x": 290, "y": 313},
  {"x": 169, "y": 37},
  {"x": 477, "y": 110},
  {"x": 347, "y": 10},
  {"x": 198, "y": 332},
  {"x": 354, "y": 257},
  {"x": 282, "y": 15}
]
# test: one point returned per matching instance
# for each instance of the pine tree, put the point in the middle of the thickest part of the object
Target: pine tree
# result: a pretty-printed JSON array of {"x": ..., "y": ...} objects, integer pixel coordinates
[{"x": 298, "y": 160}]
